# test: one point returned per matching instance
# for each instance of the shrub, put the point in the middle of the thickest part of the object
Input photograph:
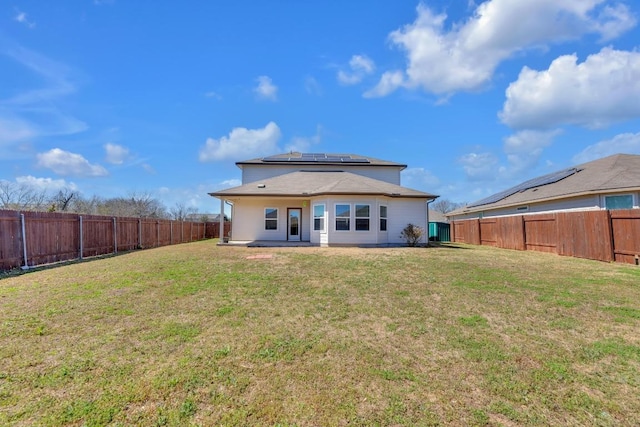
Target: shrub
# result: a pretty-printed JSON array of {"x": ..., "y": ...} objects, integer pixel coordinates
[{"x": 412, "y": 234}]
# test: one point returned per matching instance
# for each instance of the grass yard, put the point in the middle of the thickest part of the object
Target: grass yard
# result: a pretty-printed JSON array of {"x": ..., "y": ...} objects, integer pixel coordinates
[{"x": 197, "y": 334}]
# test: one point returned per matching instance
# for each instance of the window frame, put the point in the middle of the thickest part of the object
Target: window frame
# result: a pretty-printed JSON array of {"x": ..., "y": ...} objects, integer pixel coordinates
[
  {"x": 618, "y": 196},
  {"x": 367, "y": 218},
  {"x": 323, "y": 218},
  {"x": 347, "y": 219},
  {"x": 268, "y": 219},
  {"x": 383, "y": 218}
]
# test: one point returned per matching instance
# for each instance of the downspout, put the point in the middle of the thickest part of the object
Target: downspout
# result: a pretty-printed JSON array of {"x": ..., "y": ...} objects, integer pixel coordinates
[{"x": 430, "y": 201}]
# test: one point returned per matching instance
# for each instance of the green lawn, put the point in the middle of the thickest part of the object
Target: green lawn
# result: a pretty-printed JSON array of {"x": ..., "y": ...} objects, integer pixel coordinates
[{"x": 197, "y": 334}]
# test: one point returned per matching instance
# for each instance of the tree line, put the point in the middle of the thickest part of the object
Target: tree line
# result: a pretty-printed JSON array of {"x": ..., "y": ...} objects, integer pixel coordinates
[{"x": 21, "y": 197}]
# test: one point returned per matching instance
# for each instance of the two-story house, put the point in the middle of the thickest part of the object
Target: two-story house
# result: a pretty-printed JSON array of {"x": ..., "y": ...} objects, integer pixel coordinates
[{"x": 323, "y": 199}]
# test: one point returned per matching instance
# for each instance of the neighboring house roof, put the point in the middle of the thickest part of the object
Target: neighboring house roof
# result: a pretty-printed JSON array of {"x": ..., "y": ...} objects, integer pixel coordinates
[
  {"x": 317, "y": 183},
  {"x": 325, "y": 159},
  {"x": 435, "y": 216},
  {"x": 613, "y": 174}
]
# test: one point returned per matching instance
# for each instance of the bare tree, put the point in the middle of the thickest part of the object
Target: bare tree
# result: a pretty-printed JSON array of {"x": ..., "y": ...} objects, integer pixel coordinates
[
  {"x": 21, "y": 197},
  {"x": 180, "y": 212},
  {"x": 445, "y": 206},
  {"x": 62, "y": 201}
]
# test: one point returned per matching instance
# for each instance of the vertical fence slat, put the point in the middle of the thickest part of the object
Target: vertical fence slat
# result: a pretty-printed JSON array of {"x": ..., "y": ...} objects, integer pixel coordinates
[
  {"x": 35, "y": 238},
  {"x": 599, "y": 235}
]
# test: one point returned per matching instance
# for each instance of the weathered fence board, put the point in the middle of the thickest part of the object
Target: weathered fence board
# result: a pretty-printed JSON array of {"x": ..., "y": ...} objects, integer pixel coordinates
[
  {"x": 53, "y": 237},
  {"x": 488, "y": 235},
  {"x": 540, "y": 233},
  {"x": 626, "y": 235},
  {"x": 600, "y": 235},
  {"x": 510, "y": 233},
  {"x": 10, "y": 240}
]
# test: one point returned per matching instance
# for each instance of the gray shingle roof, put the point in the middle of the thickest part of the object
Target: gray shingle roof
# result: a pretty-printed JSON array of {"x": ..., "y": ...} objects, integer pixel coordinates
[
  {"x": 620, "y": 172},
  {"x": 317, "y": 183}
]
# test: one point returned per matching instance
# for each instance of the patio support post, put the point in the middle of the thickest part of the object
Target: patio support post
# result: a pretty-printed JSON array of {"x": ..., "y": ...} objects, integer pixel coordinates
[{"x": 221, "y": 234}]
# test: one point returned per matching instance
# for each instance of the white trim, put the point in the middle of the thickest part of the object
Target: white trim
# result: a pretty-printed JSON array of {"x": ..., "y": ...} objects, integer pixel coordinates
[
  {"x": 356, "y": 217},
  {"x": 277, "y": 219},
  {"x": 323, "y": 229},
  {"x": 336, "y": 217},
  {"x": 385, "y": 217}
]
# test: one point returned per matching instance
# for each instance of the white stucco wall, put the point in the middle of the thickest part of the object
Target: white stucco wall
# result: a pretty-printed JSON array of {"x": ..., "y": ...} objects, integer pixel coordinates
[
  {"x": 254, "y": 173},
  {"x": 248, "y": 220}
]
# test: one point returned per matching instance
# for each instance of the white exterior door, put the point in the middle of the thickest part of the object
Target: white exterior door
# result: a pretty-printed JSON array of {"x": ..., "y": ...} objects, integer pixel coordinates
[{"x": 294, "y": 217}]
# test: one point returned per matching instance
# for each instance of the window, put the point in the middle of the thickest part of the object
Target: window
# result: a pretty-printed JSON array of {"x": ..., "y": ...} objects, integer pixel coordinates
[
  {"x": 362, "y": 217},
  {"x": 271, "y": 219},
  {"x": 619, "y": 202},
  {"x": 343, "y": 216},
  {"x": 318, "y": 218},
  {"x": 383, "y": 218}
]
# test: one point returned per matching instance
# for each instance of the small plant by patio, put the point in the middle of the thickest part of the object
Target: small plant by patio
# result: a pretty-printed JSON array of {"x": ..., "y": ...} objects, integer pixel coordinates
[{"x": 412, "y": 234}]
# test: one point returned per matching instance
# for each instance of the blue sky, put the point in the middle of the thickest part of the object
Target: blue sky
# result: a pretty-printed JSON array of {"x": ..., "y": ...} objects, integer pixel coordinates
[{"x": 111, "y": 97}]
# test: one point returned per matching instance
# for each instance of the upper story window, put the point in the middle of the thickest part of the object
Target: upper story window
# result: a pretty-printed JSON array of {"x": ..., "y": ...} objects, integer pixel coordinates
[
  {"x": 624, "y": 201},
  {"x": 318, "y": 218},
  {"x": 343, "y": 217},
  {"x": 383, "y": 218},
  {"x": 362, "y": 217},
  {"x": 271, "y": 219}
]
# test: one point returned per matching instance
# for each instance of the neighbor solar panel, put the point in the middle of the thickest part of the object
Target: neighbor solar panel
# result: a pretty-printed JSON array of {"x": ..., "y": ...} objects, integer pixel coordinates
[{"x": 532, "y": 183}]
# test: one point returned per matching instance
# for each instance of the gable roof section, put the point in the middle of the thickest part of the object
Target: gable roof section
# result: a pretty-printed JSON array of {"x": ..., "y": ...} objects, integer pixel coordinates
[
  {"x": 330, "y": 159},
  {"x": 620, "y": 172},
  {"x": 319, "y": 183}
]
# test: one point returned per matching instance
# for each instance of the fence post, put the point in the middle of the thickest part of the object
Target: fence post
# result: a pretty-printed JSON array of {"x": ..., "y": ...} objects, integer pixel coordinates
[
  {"x": 158, "y": 232},
  {"x": 171, "y": 233},
  {"x": 81, "y": 239},
  {"x": 115, "y": 236},
  {"x": 24, "y": 242},
  {"x": 139, "y": 233}
]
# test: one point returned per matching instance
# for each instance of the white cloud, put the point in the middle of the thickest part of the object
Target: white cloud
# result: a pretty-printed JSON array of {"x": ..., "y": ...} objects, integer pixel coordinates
[
  {"x": 46, "y": 184},
  {"x": 213, "y": 94},
  {"x": 360, "y": 66},
  {"x": 65, "y": 163},
  {"x": 33, "y": 112},
  {"x": 312, "y": 86},
  {"x": 303, "y": 144},
  {"x": 479, "y": 166},
  {"x": 419, "y": 179},
  {"x": 148, "y": 168},
  {"x": 21, "y": 17},
  {"x": 14, "y": 129},
  {"x": 266, "y": 89},
  {"x": 389, "y": 82},
  {"x": 605, "y": 88},
  {"x": 464, "y": 58},
  {"x": 242, "y": 143},
  {"x": 626, "y": 143},
  {"x": 524, "y": 148},
  {"x": 116, "y": 154},
  {"x": 228, "y": 183}
]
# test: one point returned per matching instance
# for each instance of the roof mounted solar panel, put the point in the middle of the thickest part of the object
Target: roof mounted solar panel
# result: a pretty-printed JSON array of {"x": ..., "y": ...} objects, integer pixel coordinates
[
  {"x": 315, "y": 158},
  {"x": 527, "y": 185}
]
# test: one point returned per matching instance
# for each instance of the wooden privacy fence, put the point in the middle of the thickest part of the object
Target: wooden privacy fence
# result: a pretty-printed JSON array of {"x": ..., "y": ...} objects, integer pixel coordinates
[
  {"x": 600, "y": 235},
  {"x": 29, "y": 239}
]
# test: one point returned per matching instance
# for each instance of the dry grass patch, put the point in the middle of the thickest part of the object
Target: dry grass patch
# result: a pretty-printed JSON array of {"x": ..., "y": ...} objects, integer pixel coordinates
[{"x": 198, "y": 334}]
